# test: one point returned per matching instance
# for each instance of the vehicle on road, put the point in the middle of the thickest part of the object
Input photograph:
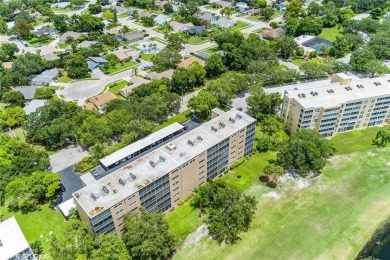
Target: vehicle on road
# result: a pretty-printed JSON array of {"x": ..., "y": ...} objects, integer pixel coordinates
[
  {"x": 143, "y": 30},
  {"x": 37, "y": 45},
  {"x": 138, "y": 60}
]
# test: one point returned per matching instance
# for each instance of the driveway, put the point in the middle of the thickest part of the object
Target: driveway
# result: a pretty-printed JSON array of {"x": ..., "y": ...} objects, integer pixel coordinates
[{"x": 66, "y": 157}]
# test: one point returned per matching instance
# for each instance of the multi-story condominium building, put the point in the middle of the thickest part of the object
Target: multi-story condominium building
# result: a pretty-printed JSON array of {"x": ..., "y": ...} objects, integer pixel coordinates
[
  {"x": 162, "y": 178},
  {"x": 338, "y": 107},
  {"x": 13, "y": 244}
]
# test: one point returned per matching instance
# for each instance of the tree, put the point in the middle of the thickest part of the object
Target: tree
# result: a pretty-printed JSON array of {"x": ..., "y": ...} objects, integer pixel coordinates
[
  {"x": 214, "y": 66},
  {"x": 310, "y": 26},
  {"x": 77, "y": 2},
  {"x": 13, "y": 98},
  {"x": 147, "y": 21},
  {"x": 314, "y": 9},
  {"x": 12, "y": 116},
  {"x": 110, "y": 247},
  {"x": 75, "y": 242},
  {"x": 340, "y": 47},
  {"x": 271, "y": 125},
  {"x": 8, "y": 51},
  {"x": 229, "y": 211},
  {"x": 304, "y": 152},
  {"x": 166, "y": 59},
  {"x": 315, "y": 70},
  {"x": 168, "y": 8},
  {"x": 76, "y": 66},
  {"x": 261, "y": 104},
  {"x": 22, "y": 28},
  {"x": 261, "y": 3},
  {"x": 267, "y": 12},
  {"x": 294, "y": 8},
  {"x": 287, "y": 45},
  {"x": 374, "y": 67},
  {"x": 3, "y": 26},
  {"x": 360, "y": 58},
  {"x": 146, "y": 235},
  {"x": 94, "y": 8},
  {"x": 292, "y": 25},
  {"x": 36, "y": 247},
  {"x": 175, "y": 41},
  {"x": 274, "y": 171},
  {"x": 43, "y": 93},
  {"x": 376, "y": 13},
  {"x": 202, "y": 104},
  {"x": 382, "y": 137},
  {"x": 222, "y": 90}
]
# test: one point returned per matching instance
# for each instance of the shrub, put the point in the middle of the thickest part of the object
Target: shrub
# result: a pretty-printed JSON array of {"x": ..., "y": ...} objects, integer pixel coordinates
[{"x": 238, "y": 163}]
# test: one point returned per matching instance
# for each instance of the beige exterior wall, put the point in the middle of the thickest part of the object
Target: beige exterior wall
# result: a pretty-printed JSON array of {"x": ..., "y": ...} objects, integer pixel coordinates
[
  {"x": 130, "y": 204},
  {"x": 83, "y": 215}
]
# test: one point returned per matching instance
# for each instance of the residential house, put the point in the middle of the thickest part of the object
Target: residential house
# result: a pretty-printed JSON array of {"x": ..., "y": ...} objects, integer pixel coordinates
[
  {"x": 187, "y": 62},
  {"x": 242, "y": 5},
  {"x": 86, "y": 44},
  {"x": 161, "y": 4},
  {"x": 124, "y": 55},
  {"x": 131, "y": 11},
  {"x": 120, "y": 9},
  {"x": 45, "y": 78},
  {"x": 33, "y": 105},
  {"x": 62, "y": 5},
  {"x": 253, "y": 12},
  {"x": 161, "y": 19},
  {"x": 196, "y": 30},
  {"x": 180, "y": 27},
  {"x": 133, "y": 36},
  {"x": 203, "y": 55},
  {"x": 70, "y": 34},
  {"x": 134, "y": 83},
  {"x": 225, "y": 4},
  {"x": 220, "y": 53},
  {"x": 145, "y": 14},
  {"x": 208, "y": 17},
  {"x": 13, "y": 244},
  {"x": 165, "y": 74},
  {"x": 17, "y": 11},
  {"x": 7, "y": 65},
  {"x": 101, "y": 101},
  {"x": 44, "y": 31},
  {"x": 90, "y": 106},
  {"x": 27, "y": 91},
  {"x": 272, "y": 34},
  {"x": 113, "y": 30},
  {"x": 96, "y": 63},
  {"x": 224, "y": 23}
]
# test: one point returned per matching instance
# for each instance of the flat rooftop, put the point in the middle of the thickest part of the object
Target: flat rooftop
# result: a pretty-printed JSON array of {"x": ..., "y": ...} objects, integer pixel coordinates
[
  {"x": 138, "y": 145},
  {"x": 12, "y": 239},
  {"x": 333, "y": 95},
  {"x": 127, "y": 180}
]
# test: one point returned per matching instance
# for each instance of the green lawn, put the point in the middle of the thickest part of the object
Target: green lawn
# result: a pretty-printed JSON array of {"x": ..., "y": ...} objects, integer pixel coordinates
[
  {"x": 197, "y": 40},
  {"x": 162, "y": 29},
  {"x": 123, "y": 15},
  {"x": 37, "y": 224},
  {"x": 210, "y": 50},
  {"x": 331, "y": 216},
  {"x": 115, "y": 89},
  {"x": 64, "y": 78},
  {"x": 133, "y": 46},
  {"x": 240, "y": 26},
  {"x": 330, "y": 34},
  {"x": 146, "y": 57},
  {"x": 62, "y": 10},
  {"x": 299, "y": 62},
  {"x": 179, "y": 118},
  {"x": 63, "y": 45},
  {"x": 159, "y": 40},
  {"x": 2, "y": 106},
  {"x": 119, "y": 67}
]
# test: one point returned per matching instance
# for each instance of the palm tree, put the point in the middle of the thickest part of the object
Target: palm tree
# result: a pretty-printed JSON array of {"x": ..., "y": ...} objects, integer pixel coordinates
[{"x": 384, "y": 136}]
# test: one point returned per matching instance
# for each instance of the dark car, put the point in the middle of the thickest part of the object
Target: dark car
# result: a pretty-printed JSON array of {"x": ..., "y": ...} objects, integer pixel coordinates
[
  {"x": 95, "y": 172},
  {"x": 146, "y": 35},
  {"x": 185, "y": 127},
  {"x": 138, "y": 60},
  {"x": 143, "y": 30},
  {"x": 62, "y": 187}
]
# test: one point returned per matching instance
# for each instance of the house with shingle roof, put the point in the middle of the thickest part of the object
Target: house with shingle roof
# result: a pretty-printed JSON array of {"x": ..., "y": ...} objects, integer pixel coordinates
[
  {"x": 70, "y": 34},
  {"x": 187, "y": 62},
  {"x": 273, "y": 34},
  {"x": 161, "y": 19},
  {"x": 180, "y": 27}
]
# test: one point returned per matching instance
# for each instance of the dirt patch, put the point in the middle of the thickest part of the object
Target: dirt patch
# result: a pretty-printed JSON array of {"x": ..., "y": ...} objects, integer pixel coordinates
[{"x": 196, "y": 236}]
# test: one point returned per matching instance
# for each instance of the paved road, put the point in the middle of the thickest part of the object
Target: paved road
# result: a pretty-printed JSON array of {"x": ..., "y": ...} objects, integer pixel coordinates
[
  {"x": 71, "y": 179},
  {"x": 22, "y": 49},
  {"x": 66, "y": 157}
]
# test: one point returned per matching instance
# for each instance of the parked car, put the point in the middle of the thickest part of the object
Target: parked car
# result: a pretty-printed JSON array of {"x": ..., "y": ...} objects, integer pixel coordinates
[
  {"x": 138, "y": 60},
  {"x": 146, "y": 35},
  {"x": 143, "y": 30},
  {"x": 185, "y": 127},
  {"x": 95, "y": 172},
  {"x": 37, "y": 45}
]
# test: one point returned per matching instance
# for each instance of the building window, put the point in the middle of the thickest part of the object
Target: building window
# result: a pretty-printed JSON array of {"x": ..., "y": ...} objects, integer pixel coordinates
[
  {"x": 131, "y": 197},
  {"x": 133, "y": 203},
  {"x": 119, "y": 212},
  {"x": 118, "y": 205}
]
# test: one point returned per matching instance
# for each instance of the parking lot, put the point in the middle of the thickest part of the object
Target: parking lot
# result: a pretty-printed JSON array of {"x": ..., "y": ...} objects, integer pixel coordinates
[{"x": 71, "y": 179}]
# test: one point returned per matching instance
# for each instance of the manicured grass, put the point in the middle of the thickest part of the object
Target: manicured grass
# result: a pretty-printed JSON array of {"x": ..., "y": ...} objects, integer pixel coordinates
[
  {"x": 63, "y": 45},
  {"x": 146, "y": 57},
  {"x": 37, "y": 223},
  {"x": 133, "y": 46},
  {"x": 162, "y": 29},
  {"x": 353, "y": 141},
  {"x": 210, "y": 50},
  {"x": 330, "y": 34},
  {"x": 240, "y": 26},
  {"x": 299, "y": 62},
  {"x": 120, "y": 85},
  {"x": 179, "y": 118},
  {"x": 197, "y": 40},
  {"x": 332, "y": 216},
  {"x": 62, "y": 10},
  {"x": 64, "y": 78},
  {"x": 159, "y": 40},
  {"x": 123, "y": 15},
  {"x": 119, "y": 67}
]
